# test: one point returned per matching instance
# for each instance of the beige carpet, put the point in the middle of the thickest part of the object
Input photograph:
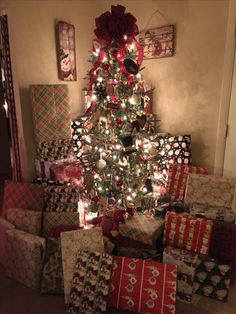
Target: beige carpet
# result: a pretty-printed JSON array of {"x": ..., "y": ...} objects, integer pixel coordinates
[{"x": 17, "y": 299}]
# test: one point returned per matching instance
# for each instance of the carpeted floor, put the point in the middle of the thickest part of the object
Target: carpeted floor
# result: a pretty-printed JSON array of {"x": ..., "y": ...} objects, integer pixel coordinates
[{"x": 17, "y": 299}]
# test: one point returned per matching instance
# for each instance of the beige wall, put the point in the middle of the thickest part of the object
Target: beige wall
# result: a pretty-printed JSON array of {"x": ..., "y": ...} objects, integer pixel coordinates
[{"x": 187, "y": 86}]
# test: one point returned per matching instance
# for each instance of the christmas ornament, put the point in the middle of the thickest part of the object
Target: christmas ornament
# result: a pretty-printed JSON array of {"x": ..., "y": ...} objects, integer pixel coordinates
[
  {"x": 134, "y": 99},
  {"x": 110, "y": 90},
  {"x": 101, "y": 164},
  {"x": 119, "y": 183},
  {"x": 127, "y": 142},
  {"x": 131, "y": 67},
  {"x": 148, "y": 185},
  {"x": 153, "y": 151}
]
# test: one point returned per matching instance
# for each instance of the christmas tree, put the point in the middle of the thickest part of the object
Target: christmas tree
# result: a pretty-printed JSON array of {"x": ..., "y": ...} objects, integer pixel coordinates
[{"x": 115, "y": 138}]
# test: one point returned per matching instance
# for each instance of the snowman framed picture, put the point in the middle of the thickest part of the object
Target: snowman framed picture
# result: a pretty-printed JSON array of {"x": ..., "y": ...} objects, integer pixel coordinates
[{"x": 66, "y": 52}]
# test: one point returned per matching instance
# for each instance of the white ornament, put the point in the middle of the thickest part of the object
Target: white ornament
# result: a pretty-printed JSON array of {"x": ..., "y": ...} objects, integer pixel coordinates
[
  {"x": 101, "y": 164},
  {"x": 134, "y": 100},
  {"x": 152, "y": 151}
]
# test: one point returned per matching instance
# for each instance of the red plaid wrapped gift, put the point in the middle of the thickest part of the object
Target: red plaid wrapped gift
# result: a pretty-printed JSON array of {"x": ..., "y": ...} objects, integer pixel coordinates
[
  {"x": 22, "y": 195},
  {"x": 188, "y": 232},
  {"x": 177, "y": 178},
  {"x": 143, "y": 286},
  {"x": 142, "y": 228}
]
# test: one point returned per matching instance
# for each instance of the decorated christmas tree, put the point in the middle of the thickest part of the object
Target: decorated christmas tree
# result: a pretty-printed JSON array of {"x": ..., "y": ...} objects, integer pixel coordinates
[{"x": 115, "y": 138}]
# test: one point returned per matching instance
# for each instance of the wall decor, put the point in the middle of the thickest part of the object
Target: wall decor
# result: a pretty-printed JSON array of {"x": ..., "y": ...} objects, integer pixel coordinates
[
  {"x": 158, "y": 42},
  {"x": 66, "y": 51}
]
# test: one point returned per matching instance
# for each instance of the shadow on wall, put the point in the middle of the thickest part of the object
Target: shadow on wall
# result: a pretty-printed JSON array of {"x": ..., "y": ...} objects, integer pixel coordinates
[
  {"x": 200, "y": 152},
  {"x": 28, "y": 130}
]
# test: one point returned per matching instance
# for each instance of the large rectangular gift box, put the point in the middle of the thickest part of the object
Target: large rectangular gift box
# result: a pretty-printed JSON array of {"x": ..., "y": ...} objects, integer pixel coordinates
[
  {"x": 186, "y": 263},
  {"x": 177, "y": 178},
  {"x": 71, "y": 242},
  {"x": 209, "y": 190},
  {"x": 212, "y": 279},
  {"x": 142, "y": 227},
  {"x": 50, "y": 110},
  {"x": 91, "y": 283},
  {"x": 24, "y": 255},
  {"x": 188, "y": 232},
  {"x": 143, "y": 286}
]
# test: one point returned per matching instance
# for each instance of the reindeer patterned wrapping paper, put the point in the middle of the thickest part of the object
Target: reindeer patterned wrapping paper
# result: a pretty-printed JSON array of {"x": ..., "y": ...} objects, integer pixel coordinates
[
  {"x": 188, "y": 232},
  {"x": 143, "y": 286},
  {"x": 212, "y": 279},
  {"x": 90, "y": 284}
]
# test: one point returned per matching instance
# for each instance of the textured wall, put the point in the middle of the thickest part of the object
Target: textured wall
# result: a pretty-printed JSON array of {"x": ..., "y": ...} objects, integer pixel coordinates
[{"x": 187, "y": 86}]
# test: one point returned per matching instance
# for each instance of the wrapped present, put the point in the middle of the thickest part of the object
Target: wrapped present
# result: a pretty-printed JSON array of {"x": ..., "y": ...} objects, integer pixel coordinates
[
  {"x": 91, "y": 282},
  {"x": 58, "y": 149},
  {"x": 186, "y": 264},
  {"x": 143, "y": 286},
  {"x": 52, "y": 273},
  {"x": 188, "y": 232},
  {"x": 142, "y": 228},
  {"x": 50, "y": 110},
  {"x": 209, "y": 190},
  {"x": 43, "y": 166},
  {"x": 62, "y": 198},
  {"x": 212, "y": 212},
  {"x": 47, "y": 182},
  {"x": 71, "y": 242},
  {"x": 22, "y": 195},
  {"x": 212, "y": 279},
  {"x": 177, "y": 178},
  {"x": 4, "y": 226},
  {"x": 24, "y": 255},
  {"x": 173, "y": 149},
  {"x": 25, "y": 219},
  {"x": 223, "y": 244},
  {"x": 66, "y": 171},
  {"x": 55, "y": 219}
]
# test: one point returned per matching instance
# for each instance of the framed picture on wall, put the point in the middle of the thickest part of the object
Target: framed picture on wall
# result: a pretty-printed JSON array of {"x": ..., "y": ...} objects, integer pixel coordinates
[
  {"x": 158, "y": 42},
  {"x": 66, "y": 51}
]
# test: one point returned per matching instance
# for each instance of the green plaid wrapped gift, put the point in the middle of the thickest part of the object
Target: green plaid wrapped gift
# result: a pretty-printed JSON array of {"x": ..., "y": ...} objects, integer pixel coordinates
[
  {"x": 55, "y": 219},
  {"x": 142, "y": 228},
  {"x": 50, "y": 110}
]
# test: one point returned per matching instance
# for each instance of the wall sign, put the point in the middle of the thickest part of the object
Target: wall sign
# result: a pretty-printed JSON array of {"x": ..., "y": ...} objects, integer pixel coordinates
[
  {"x": 66, "y": 52},
  {"x": 158, "y": 42}
]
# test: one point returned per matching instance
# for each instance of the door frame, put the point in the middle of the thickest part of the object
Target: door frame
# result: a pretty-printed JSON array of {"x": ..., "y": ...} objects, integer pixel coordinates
[
  {"x": 226, "y": 88},
  {"x": 22, "y": 148}
]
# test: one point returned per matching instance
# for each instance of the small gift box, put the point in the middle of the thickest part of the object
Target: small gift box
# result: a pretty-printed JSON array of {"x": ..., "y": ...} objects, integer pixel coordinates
[
  {"x": 215, "y": 213},
  {"x": 66, "y": 171},
  {"x": 143, "y": 286},
  {"x": 142, "y": 228},
  {"x": 188, "y": 232},
  {"x": 186, "y": 263},
  {"x": 212, "y": 279},
  {"x": 177, "y": 178}
]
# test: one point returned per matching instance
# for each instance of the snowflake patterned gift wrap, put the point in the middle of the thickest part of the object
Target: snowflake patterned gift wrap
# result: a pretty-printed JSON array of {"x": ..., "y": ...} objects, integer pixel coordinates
[
  {"x": 71, "y": 242},
  {"x": 188, "y": 232},
  {"x": 177, "y": 179},
  {"x": 142, "y": 227},
  {"x": 186, "y": 263},
  {"x": 143, "y": 286},
  {"x": 24, "y": 254},
  {"x": 212, "y": 279},
  {"x": 209, "y": 190},
  {"x": 91, "y": 283}
]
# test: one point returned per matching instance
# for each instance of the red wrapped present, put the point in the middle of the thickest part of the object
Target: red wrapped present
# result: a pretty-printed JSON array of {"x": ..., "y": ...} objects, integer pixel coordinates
[
  {"x": 223, "y": 245},
  {"x": 66, "y": 171},
  {"x": 143, "y": 286},
  {"x": 188, "y": 232},
  {"x": 177, "y": 179}
]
